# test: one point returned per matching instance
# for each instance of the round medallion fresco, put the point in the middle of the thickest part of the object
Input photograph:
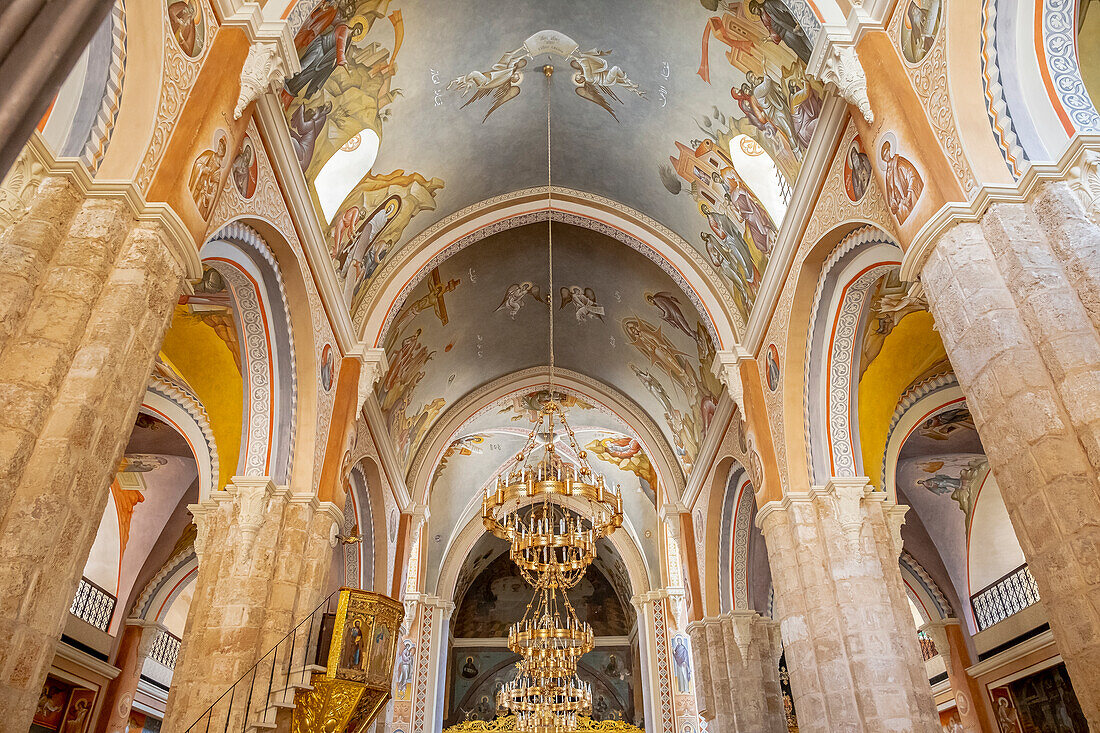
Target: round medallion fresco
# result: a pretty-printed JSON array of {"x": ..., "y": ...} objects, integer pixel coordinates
[
  {"x": 772, "y": 361},
  {"x": 326, "y": 367},
  {"x": 919, "y": 27},
  {"x": 857, "y": 171},
  {"x": 188, "y": 26},
  {"x": 245, "y": 169}
]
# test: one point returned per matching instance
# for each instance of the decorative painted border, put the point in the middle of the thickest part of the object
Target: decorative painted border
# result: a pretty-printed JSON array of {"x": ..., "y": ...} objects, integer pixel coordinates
[
  {"x": 242, "y": 235},
  {"x": 742, "y": 532},
  {"x": 103, "y": 127},
  {"x": 841, "y": 351},
  {"x": 190, "y": 404},
  {"x": 1000, "y": 119},
  {"x": 910, "y": 563},
  {"x": 1060, "y": 48},
  {"x": 664, "y": 672},
  {"x": 423, "y": 655},
  {"x": 913, "y": 395},
  {"x": 152, "y": 589}
]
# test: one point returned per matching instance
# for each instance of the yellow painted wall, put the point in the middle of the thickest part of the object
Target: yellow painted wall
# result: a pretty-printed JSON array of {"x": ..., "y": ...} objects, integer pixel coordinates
[
  {"x": 205, "y": 361},
  {"x": 910, "y": 350}
]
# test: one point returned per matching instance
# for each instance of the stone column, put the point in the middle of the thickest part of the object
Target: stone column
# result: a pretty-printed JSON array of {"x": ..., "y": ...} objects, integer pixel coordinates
[
  {"x": 261, "y": 571},
  {"x": 431, "y": 659},
  {"x": 656, "y": 661},
  {"x": 847, "y": 628},
  {"x": 737, "y": 672},
  {"x": 91, "y": 296},
  {"x": 971, "y": 701},
  {"x": 133, "y": 649},
  {"x": 1011, "y": 297}
]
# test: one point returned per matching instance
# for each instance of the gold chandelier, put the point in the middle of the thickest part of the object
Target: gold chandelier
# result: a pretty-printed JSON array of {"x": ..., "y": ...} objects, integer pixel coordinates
[
  {"x": 552, "y": 512},
  {"x": 526, "y": 506}
]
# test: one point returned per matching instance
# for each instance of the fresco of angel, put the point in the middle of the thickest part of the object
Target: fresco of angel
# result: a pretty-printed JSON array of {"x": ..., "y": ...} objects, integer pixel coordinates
[
  {"x": 502, "y": 80},
  {"x": 514, "y": 297},
  {"x": 584, "y": 300},
  {"x": 593, "y": 77}
]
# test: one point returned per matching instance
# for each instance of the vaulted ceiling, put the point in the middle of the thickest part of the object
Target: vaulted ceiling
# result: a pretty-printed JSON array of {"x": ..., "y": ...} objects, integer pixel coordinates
[{"x": 697, "y": 114}]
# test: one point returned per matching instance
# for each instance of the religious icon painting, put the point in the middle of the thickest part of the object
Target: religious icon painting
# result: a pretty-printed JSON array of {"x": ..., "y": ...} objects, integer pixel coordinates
[
  {"x": 245, "y": 169},
  {"x": 327, "y": 367},
  {"x": 188, "y": 26},
  {"x": 772, "y": 362},
  {"x": 52, "y": 703},
  {"x": 857, "y": 171},
  {"x": 206, "y": 173},
  {"x": 1004, "y": 708},
  {"x": 79, "y": 712},
  {"x": 904, "y": 184},
  {"x": 919, "y": 27}
]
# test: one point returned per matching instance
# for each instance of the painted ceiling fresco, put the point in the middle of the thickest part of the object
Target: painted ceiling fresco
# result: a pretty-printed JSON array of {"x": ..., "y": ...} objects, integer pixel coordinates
[
  {"x": 488, "y": 441},
  {"x": 409, "y": 111},
  {"x": 633, "y": 328}
]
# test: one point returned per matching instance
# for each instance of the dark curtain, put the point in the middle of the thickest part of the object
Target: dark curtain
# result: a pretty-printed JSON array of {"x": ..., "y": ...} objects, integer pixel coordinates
[{"x": 40, "y": 40}]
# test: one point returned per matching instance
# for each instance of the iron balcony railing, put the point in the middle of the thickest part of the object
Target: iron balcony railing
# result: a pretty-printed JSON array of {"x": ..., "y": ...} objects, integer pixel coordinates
[
  {"x": 93, "y": 604},
  {"x": 927, "y": 646},
  {"x": 254, "y": 700},
  {"x": 1005, "y": 597},
  {"x": 166, "y": 649}
]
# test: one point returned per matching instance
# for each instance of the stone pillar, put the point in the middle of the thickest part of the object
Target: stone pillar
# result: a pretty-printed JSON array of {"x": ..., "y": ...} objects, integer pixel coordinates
[
  {"x": 847, "y": 628},
  {"x": 657, "y": 663},
  {"x": 971, "y": 701},
  {"x": 89, "y": 297},
  {"x": 737, "y": 672},
  {"x": 1022, "y": 338},
  {"x": 133, "y": 649},
  {"x": 431, "y": 658},
  {"x": 261, "y": 554}
]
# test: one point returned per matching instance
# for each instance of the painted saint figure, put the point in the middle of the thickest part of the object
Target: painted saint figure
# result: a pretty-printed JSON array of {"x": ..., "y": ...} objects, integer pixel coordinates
[
  {"x": 205, "y": 177},
  {"x": 782, "y": 27},
  {"x": 405, "y": 665},
  {"x": 185, "y": 20},
  {"x": 353, "y": 645},
  {"x": 903, "y": 182},
  {"x": 681, "y": 657},
  {"x": 305, "y": 127},
  {"x": 324, "y": 53},
  {"x": 859, "y": 167}
]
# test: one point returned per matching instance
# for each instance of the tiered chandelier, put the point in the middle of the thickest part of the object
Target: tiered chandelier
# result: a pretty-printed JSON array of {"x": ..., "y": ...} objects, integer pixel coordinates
[{"x": 551, "y": 512}]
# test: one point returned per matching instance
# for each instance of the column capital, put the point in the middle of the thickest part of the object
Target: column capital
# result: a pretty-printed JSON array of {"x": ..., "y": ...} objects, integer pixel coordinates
[
  {"x": 373, "y": 366},
  {"x": 445, "y": 605},
  {"x": 271, "y": 54},
  {"x": 641, "y": 600},
  {"x": 835, "y": 63},
  {"x": 253, "y": 495},
  {"x": 727, "y": 369}
]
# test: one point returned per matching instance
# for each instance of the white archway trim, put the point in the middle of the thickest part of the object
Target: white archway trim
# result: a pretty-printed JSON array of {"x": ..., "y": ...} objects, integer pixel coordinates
[
  {"x": 688, "y": 268},
  {"x": 176, "y": 574},
  {"x": 270, "y": 377},
  {"x": 181, "y": 410},
  {"x": 448, "y": 428},
  {"x": 923, "y": 588},
  {"x": 921, "y": 402},
  {"x": 736, "y": 526},
  {"x": 848, "y": 277}
]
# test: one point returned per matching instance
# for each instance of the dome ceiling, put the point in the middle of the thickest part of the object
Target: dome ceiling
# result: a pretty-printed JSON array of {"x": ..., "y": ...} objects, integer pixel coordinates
[
  {"x": 620, "y": 320},
  {"x": 697, "y": 114}
]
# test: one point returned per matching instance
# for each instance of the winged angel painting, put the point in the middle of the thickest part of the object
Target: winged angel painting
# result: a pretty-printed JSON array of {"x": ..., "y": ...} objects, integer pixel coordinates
[{"x": 594, "y": 77}]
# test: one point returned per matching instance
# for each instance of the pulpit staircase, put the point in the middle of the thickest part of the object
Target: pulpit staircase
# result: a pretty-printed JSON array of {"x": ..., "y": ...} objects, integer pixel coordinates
[{"x": 267, "y": 696}]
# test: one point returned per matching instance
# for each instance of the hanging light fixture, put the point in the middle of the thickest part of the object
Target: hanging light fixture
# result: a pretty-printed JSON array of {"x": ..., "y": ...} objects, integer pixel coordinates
[{"x": 550, "y": 511}]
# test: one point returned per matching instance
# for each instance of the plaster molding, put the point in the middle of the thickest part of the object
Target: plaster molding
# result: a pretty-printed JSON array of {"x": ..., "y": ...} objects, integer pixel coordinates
[
  {"x": 87, "y": 661},
  {"x": 253, "y": 495},
  {"x": 831, "y": 127},
  {"x": 916, "y": 255},
  {"x": 374, "y": 365},
  {"x": 391, "y": 466},
  {"x": 849, "y": 493},
  {"x": 1038, "y": 643},
  {"x": 179, "y": 240},
  {"x": 937, "y": 631},
  {"x": 835, "y": 63},
  {"x": 288, "y": 172},
  {"x": 263, "y": 71},
  {"x": 727, "y": 368},
  {"x": 274, "y": 33},
  {"x": 853, "y": 486},
  {"x": 728, "y": 415}
]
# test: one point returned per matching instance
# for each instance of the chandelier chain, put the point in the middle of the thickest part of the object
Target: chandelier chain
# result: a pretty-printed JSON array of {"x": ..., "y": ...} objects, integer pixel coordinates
[{"x": 550, "y": 233}]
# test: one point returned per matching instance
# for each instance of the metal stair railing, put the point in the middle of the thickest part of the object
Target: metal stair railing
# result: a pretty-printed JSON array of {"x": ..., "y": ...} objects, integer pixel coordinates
[{"x": 254, "y": 700}]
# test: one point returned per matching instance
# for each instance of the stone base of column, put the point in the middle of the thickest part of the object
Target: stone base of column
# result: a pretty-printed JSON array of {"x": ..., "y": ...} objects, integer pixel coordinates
[
  {"x": 736, "y": 659},
  {"x": 848, "y": 633},
  {"x": 263, "y": 564}
]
